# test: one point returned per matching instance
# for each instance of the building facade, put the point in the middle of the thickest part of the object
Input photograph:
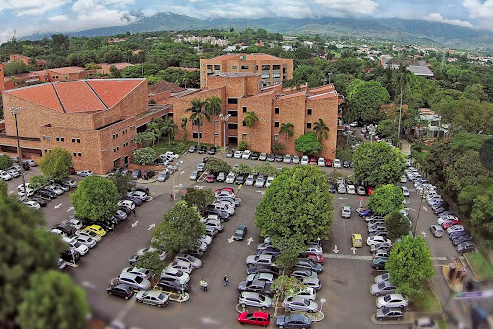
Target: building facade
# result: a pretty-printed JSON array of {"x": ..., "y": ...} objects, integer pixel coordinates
[
  {"x": 273, "y": 69},
  {"x": 95, "y": 120}
]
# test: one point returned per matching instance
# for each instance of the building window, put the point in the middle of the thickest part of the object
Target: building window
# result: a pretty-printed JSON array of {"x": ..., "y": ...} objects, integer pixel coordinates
[
  {"x": 216, "y": 135},
  {"x": 244, "y": 67},
  {"x": 309, "y": 111},
  {"x": 276, "y": 75},
  {"x": 266, "y": 67},
  {"x": 245, "y": 109},
  {"x": 48, "y": 138},
  {"x": 244, "y": 136},
  {"x": 196, "y": 135},
  {"x": 276, "y": 67},
  {"x": 232, "y": 100},
  {"x": 132, "y": 127},
  {"x": 44, "y": 138},
  {"x": 234, "y": 67},
  {"x": 217, "y": 67},
  {"x": 62, "y": 139},
  {"x": 276, "y": 110},
  {"x": 74, "y": 154},
  {"x": 308, "y": 125},
  {"x": 216, "y": 122},
  {"x": 232, "y": 126},
  {"x": 73, "y": 140},
  {"x": 57, "y": 139},
  {"x": 276, "y": 138},
  {"x": 79, "y": 154},
  {"x": 78, "y": 140},
  {"x": 266, "y": 76},
  {"x": 244, "y": 123},
  {"x": 233, "y": 113},
  {"x": 276, "y": 124}
]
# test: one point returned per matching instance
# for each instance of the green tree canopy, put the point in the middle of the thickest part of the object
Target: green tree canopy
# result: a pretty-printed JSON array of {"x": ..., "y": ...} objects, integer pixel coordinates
[
  {"x": 216, "y": 166},
  {"x": 266, "y": 169},
  {"x": 285, "y": 285},
  {"x": 242, "y": 169},
  {"x": 56, "y": 164},
  {"x": 365, "y": 99},
  {"x": 53, "y": 301},
  {"x": 96, "y": 198},
  {"x": 410, "y": 265},
  {"x": 297, "y": 205},
  {"x": 144, "y": 156},
  {"x": 198, "y": 113},
  {"x": 397, "y": 225},
  {"x": 37, "y": 181},
  {"x": 378, "y": 163},
  {"x": 386, "y": 199},
  {"x": 199, "y": 198},
  {"x": 5, "y": 162},
  {"x": 308, "y": 143},
  {"x": 179, "y": 230},
  {"x": 123, "y": 183},
  {"x": 242, "y": 145},
  {"x": 151, "y": 261}
]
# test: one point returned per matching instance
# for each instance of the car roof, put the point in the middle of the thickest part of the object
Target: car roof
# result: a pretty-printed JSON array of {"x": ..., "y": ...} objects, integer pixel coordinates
[
  {"x": 245, "y": 294},
  {"x": 357, "y": 236}
]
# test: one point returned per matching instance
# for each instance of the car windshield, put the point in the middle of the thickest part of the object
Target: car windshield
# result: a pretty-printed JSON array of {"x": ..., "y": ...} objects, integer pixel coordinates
[
  {"x": 138, "y": 279},
  {"x": 381, "y": 285},
  {"x": 386, "y": 298},
  {"x": 161, "y": 296}
]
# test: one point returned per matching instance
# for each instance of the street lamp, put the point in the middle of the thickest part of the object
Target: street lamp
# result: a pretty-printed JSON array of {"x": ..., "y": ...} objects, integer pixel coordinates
[
  {"x": 330, "y": 75},
  {"x": 14, "y": 111},
  {"x": 224, "y": 119},
  {"x": 322, "y": 301}
]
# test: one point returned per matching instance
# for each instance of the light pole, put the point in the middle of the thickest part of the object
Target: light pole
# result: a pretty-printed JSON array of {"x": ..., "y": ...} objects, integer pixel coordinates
[
  {"x": 330, "y": 75},
  {"x": 400, "y": 117},
  {"x": 14, "y": 111},
  {"x": 322, "y": 301},
  {"x": 224, "y": 119}
]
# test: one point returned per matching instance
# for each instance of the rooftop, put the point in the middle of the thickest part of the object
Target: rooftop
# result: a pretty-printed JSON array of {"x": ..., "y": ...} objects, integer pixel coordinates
[
  {"x": 247, "y": 57},
  {"x": 163, "y": 86},
  {"x": 67, "y": 70},
  {"x": 82, "y": 96}
]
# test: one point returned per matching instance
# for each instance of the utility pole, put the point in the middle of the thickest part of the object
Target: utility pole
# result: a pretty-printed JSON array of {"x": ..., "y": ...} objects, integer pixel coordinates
[
  {"x": 15, "y": 111},
  {"x": 400, "y": 115}
]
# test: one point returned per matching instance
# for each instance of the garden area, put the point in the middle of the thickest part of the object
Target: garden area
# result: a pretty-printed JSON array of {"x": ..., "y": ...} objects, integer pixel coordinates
[{"x": 480, "y": 265}]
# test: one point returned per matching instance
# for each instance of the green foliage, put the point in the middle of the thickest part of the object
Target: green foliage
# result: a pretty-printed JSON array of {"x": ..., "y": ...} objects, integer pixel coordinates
[
  {"x": 386, "y": 128},
  {"x": 144, "y": 156},
  {"x": 198, "y": 113},
  {"x": 481, "y": 219},
  {"x": 397, "y": 225},
  {"x": 286, "y": 130},
  {"x": 169, "y": 128},
  {"x": 96, "y": 198},
  {"x": 145, "y": 138},
  {"x": 198, "y": 198},
  {"x": 321, "y": 129},
  {"x": 179, "y": 230},
  {"x": 334, "y": 175},
  {"x": 366, "y": 98},
  {"x": 296, "y": 206},
  {"x": 123, "y": 183},
  {"x": 386, "y": 199},
  {"x": 151, "y": 261},
  {"x": 290, "y": 248},
  {"x": 277, "y": 147},
  {"x": 53, "y": 301},
  {"x": 242, "y": 169},
  {"x": 56, "y": 164},
  {"x": 308, "y": 143},
  {"x": 378, "y": 163},
  {"x": 37, "y": 181},
  {"x": 410, "y": 265},
  {"x": 216, "y": 166},
  {"x": 5, "y": 162},
  {"x": 284, "y": 285},
  {"x": 15, "y": 67},
  {"x": 242, "y": 145},
  {"x": 266, "y": 169},
  {"x": 251, "y": 120}
]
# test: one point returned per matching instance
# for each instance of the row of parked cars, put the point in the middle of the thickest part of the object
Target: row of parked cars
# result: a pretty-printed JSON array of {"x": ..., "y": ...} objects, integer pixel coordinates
[
  {"x": 287, "y": 158},
  {"x": 15, "y": 170},
  {"x": 343, "y": 186},
  {"x": 255, "y": 291},
  {"x": 447, "y": 220},
  {"x": 40, "y": 197}
]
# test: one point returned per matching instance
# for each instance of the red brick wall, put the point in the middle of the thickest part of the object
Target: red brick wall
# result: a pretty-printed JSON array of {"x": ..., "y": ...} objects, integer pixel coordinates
[
  {"x": 291, "y": 110},
  {"x": 326, "y": 109}
]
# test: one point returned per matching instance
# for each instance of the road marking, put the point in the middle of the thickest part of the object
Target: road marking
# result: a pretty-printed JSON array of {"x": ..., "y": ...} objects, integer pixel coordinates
[
  {"x": 208, "y": 321},
  {"x": 151, "y": 227},
  {"x": 128, "y": 305},
  {"x": 182, "y": 172},
  {"x": 199, "y": 187},
  {"x": 58, "y": 206},
  {"x": 70, "y": 209},
  {"x": 425, "y": 209},
  {"x": 424, "y": 234},
  {"x": 250, "y": 240},
  {"x": 410, "y": 209},
  {"x": 135, "y": 223},
  {"x": 354, "y": 250},
  {"x": 179, "y": 185},
  {"x": 335, "y": 249},
  {"x": 341, "y": 198},
  {"x": 261, "y": 192},
  {"x": 230, "y": 240},
  {"x": 439, "y": 258},
  {"x": 88, "y": 285}
]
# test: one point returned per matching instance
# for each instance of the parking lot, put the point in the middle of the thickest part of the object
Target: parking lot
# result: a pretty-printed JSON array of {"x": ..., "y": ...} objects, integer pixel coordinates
[{"x": 346, "y": 279}]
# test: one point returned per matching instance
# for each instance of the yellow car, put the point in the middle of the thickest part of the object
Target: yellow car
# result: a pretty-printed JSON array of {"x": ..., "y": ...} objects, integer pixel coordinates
[
  {"x": 357, "y": 240},
  {"x": 96, "y": 229}
]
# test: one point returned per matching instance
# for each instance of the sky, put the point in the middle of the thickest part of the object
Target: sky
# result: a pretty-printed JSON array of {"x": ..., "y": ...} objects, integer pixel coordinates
[{"x": 27, "y": 17}]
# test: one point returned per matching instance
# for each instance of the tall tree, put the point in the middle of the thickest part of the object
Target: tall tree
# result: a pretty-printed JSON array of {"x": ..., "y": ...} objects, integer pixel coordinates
[
  {"x": 365, "y": 100},
  {"x": 321, "y": 129},
  {"x": 96, "y": 198},
  {"x": 308, "y": 143},
  {"x": 5, "y": 162},
  {"x": 386, "y": 199},
  {"x": 286, "y": 130},
  {"x": 184, "y": 121},
  {"x": 123, "y": 183},
  {"x": 397, "y": 225},
  {"x": 56, "y": 164},
  {"x": 198, "y": 113},
  {"x": 251, "y": 120},
  {"x": 37, "y": 181},
  {"x": 156, "y": 127},
  {"x": 169, "y": 128},
  {"x": 199, "y": 198},
  {"x": 53, "y": 301},
  {"x": 213, "y": 107}
]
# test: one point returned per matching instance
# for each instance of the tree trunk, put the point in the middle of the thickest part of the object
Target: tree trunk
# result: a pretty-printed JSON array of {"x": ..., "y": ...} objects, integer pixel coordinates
[
  {"x": 214, "y": 126},
  {"x": 198, "y": 136}
]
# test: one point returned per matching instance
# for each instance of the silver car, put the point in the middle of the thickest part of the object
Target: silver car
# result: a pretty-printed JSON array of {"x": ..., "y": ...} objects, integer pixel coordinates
[
  {"x": 296, "y": 159},
  {"x": 383, "y": 288},
  {"x": 299, "y": 303},
  {"x": 86, "y": 240},
  {"x": 287, "y": 158},
  {"x": 250, "y": 180},
  {"x": 312, "y": 282},
  {"x": 254, "y": 299},
  {"x": 260, "y": 181},
  {"x": 230, "y": 179},
  {"x": 135, "y": 281},
  {"x": 143, "y": 272},
  {"x": 194, "y": 175},
  {"x": 153, "y": 297},
  {"x": 175, "y": 274},
  {"x": 194, "y": 261}
]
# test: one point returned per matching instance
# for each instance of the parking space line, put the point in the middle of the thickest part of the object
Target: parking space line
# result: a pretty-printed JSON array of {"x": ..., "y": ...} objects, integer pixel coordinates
[
  {"x": 119, "y": 317},
  {"x": 354, "y": 257}
]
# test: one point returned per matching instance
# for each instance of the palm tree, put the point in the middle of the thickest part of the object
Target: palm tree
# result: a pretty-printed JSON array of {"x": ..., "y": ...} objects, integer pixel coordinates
[
  {"x": 213, "y": 107},
  {"x": 250, "y": 120},
  {"x": 286, "y": 130},
  {"x": 321, "y": 129},
  {"x": 198, "y": 114},
  {"x": 184, "y": 121},
  {"x": 155, "y": 126},
  {"x": 170, "y": 128}
]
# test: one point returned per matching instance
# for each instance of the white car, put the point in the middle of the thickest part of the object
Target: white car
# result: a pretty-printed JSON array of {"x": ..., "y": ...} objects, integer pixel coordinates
[
  {"x": 86, "y": 240},
  {"x": 126, "y": 203},
  {"x": 5, "y": 176},
  {"x": 337, "y": 163},
  {"x": 392, "y": 300},
  {"x": 211, "y": 221},
  {"x": 14, "y": 173},
  {"x": 237, "y": 154},
  {"x": 74, "y": 222},
  {"x": 70, "y": 183},
  {"x": 304, "y": 160},
  {"x": 321, "y": 162},
  {"x": 170, "y": 154},
  {"x": 308, "y": 293},
  {"x": 403, "y": 179},
  {"x": 138, "y": 194},
  {"x": 58, "y": 191},
  {"x": 296, "y": 159},
  {"x": 194, "y": 175},
  {"x": 351, "y": 189},
  {"x": 205, "y": 238},
  {"x": 254, "y": 299},
  {"x": 230, "y": 179},
  {"x": 84, "y": 173},
  {"x": 162, "y": 176},
  {"x": 405, "y": 191},
  {"x": 444, "y": 219},
  {"x": 269, "y": 181},
  {"x": 31, "y": 163},
  {"x": 201, "y": 166},
  {"x": 142, "y": 272},
  {"x": 246, "y": 154},
  {"x": 182, "y": 266},
  {"x": 376, "y": 239},
  {"x": 135, "y": 281},
  {"x": 250, "y": 180},
  {"x": 173, "y": 273},
  {"x": 81, "y": 248},
  {"x": 346, "y": 212},
  {"x": 455, "y": 228},
  {"x": 32, "y": 204},
  {"x": 312, "y": 249},
  {"x": 260, "y": 181},
  {"x": 90, "y": 234}
]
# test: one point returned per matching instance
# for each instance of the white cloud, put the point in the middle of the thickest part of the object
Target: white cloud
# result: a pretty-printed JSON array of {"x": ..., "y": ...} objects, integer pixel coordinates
[
  {"x": 95, "y": 14},
  {"x": 436, "y": 17},
  {"x": 148, "y": 12},
  {"x": 58, "y": 18},
  {"x": 357, "y": 7},
  {"x": 31, "y": 7},
  {"x": 483, "y": 12}
]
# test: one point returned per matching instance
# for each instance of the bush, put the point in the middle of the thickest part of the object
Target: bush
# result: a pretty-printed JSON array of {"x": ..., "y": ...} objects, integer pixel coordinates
[
  {"x": 144, "y": 156},
  {"x": 5, "y": 162},
  {"x": 242, "y": 146}
]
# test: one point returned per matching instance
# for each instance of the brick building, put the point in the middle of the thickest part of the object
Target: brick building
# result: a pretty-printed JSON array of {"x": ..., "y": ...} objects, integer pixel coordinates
[
  {"x": 273, "y": 69},
  {"x": 244, "y": 92},
  {"x": 95, "y": 120},
  {"x": 40, "y": 63}
]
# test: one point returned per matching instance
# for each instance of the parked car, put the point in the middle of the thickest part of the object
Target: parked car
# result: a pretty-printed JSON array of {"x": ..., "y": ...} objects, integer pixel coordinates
[
  {"x": 436, "y": 230},
  {"x": 221, "y": 177},
  {"x": 304, "y": 160},
  {"x": 212, "y": 150},
  {"x": 383, "y": 288},
  {"x": 168, "y": 284},
  {"x": 299, "y": 303},
  {"x": 202, "y": 149},
  {"x": 210, "y": 178},
  {"x": 261, "y": 287},
  {"x": 230, "y": 179},
  {"x": 84, "y": 173},
  {"x": 260, "y": 260},
  {"x": 466, "y": 246},
  {"x": 237, "y": 154},
  {"x": 300, "y": 273},
  {"x": 328, "y": 163},
  {"x": 120, "y": 290},
  {"x": 309, "y": 264},
  {"x": 346, "y": 211},
  {"x": 321, "y": 162},
  {"x": 136, "y": 173},
  {"x": 192, "y": 149},
  {"x": 295, "y": 159},
  {"x": 425, "y": 323},
  {"x": 255, "y": 318},
  {"x": 260, "y": 181},
  {"x": 246, "y": 154},
  {"x": 295, "y": 321},
  {"x": 262, "y": 269},
  {"x": 269, "y": 181},
  {"x": 337, "y": 163},
  {"x": 460, "y": 239},
  {"x": 152, "y": 297},
  {"x": 254, "y": 299},
  {"x": 254, "y": 156},
  {"x": 173, "y": 273},
  {"x": 287, "y": 158},
  {"x": 271, "y": 157},
  {"x": 240, "y": 232},
  {"x": 194, "y": 261},
  {"x": 455, "y": 228},
  {"x": 263, "y": 156},
  {"x": 378, "y": 263},
  {"x": 240, "y": 179},
  {"x": 387, "y": 313},
  {"x": 392, "y": 300},
  {"x": 376, "y": 239}
]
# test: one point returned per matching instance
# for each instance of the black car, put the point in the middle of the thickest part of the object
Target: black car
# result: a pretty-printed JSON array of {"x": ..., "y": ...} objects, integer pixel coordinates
[
  {"x": 256, "y": 286},
  {"x": 42, "y": 202},
  {"x": 455, "y": 235},
  {"x": 196, "y": 253},
  {"x": 332, "y": 188},
  {"x": 254, "y": 156},
  {"x": 279, "y": 157},
  {"x": 271, "y": 158},
  {"x": 120, "y": 290},
  {"x": 346, "y": 164},
  {"x": 133, "y": 259},
  {"x": 44, "y": 193},
  {"x": 262, "y": 269},
  {"x": 137, "y": 201},
  {"x": 212, "y": 150},
  {"x": 240, "y": 232},
  {"x": 229, "y": 154},
  {"x": 460, "y": 239},
  {"x": 269, "y": 251},
  {"x": 309, "y": 264},
  {"x": 202, "y": 149},
  {"x": 106, "y": 225},
  {"x": 240, "y": 179},
  {"x": 25, "y": 165},
  {"x": 70, "y": 256},
  {"x": 172, "y": 285},
  {"x": 147, "y": 174},
  {"x": 65, "y": 228}
]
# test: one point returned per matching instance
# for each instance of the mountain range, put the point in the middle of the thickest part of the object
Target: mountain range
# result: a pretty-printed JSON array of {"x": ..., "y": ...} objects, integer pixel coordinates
[{"x": 377, "y": 29}]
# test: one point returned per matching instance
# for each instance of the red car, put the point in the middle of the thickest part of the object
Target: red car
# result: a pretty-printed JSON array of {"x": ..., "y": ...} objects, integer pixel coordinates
[
  {"x": 370, "y": 190},
  {"x": 449, "y": 223},
  {"x": 313, "y": 160},
  {"x": 328, "y": 163},
  {"x": 255, "y": 318},
  {"x": 210, "y": 178},
  {"x": 316, "y": 258},
  {"x": 228, "y": 189}
]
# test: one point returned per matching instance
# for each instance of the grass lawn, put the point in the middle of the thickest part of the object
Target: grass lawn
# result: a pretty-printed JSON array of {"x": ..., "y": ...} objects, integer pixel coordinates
[
  {"x": 480, "y": 265},
  {"x": 442, "y": 324},
  {"x": 430, "y": 302}
]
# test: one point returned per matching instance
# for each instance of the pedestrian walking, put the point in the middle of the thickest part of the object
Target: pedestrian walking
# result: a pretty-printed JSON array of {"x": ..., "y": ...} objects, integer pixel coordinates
[
  {"x": 171, "y": 197},
  {"x": 226, "y": 280},
  {"x": 205, "y": 285},
  {"x": 202, "y": 285}
]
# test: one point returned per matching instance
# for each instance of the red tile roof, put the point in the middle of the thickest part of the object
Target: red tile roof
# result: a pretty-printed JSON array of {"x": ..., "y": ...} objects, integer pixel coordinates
[
  {"x": 67, "y": 70},
  {"x": 163, "y": 86},
  {"x": 78, "y": 96}
]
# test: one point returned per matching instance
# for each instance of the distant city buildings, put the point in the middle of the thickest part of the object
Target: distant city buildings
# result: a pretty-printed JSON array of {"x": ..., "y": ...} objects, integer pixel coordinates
[{"x": 419, "y": 68}]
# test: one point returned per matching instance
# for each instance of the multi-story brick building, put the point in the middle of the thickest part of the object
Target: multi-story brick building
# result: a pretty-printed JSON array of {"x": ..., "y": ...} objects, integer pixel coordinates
[
  {"x": 95, "y": 120},
  {"x": 244, "y": 92},
  {"x": 273, "y": 69}
]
